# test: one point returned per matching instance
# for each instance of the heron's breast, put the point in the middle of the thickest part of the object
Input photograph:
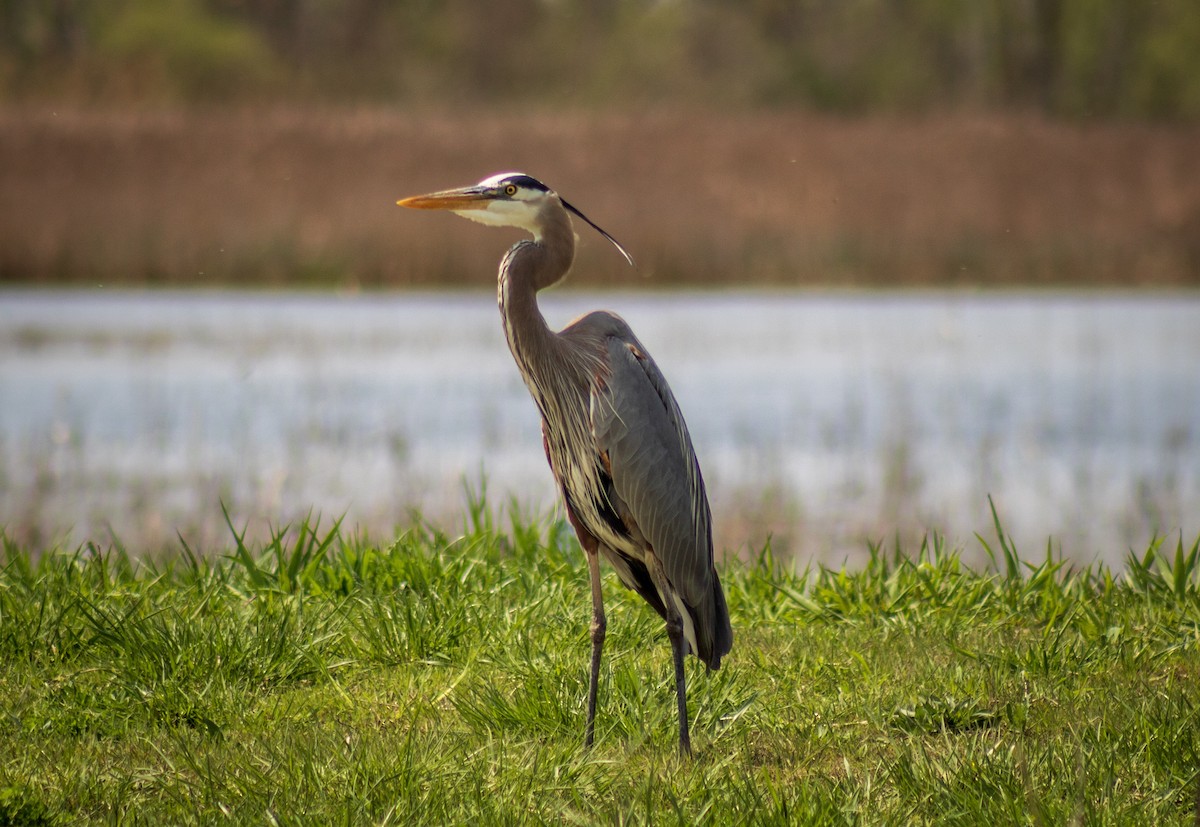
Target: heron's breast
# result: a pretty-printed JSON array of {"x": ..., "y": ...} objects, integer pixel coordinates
[{"x": 587, "y": 486}]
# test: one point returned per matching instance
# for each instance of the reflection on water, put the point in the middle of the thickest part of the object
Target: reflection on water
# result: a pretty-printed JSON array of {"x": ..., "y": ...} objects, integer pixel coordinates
[{"x": 819, "y": 419}]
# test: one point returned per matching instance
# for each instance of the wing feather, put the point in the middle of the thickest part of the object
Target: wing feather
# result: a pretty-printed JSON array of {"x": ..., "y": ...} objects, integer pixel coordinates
[{"x": 638, "y": 426}]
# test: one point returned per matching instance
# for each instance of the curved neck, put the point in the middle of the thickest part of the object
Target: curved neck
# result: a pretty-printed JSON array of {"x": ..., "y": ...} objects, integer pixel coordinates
[{"x": 527, "y": 268}]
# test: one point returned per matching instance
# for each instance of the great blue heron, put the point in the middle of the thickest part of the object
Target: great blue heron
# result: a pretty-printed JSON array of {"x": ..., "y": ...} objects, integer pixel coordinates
[{"x": 614, "y": 436}]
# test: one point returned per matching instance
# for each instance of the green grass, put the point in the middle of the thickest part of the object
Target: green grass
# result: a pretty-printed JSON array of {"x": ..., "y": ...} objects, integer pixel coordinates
[{"x": 324, "y": 679}]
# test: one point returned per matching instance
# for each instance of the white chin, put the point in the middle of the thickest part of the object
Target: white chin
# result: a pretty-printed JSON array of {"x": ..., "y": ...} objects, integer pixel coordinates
[
  {"x": 484, "y": 217},
  {"x": 505, "y": 214}
]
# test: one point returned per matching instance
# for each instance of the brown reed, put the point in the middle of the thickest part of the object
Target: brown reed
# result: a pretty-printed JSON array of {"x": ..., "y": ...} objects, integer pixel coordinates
[{"x": 306, "y": 198}]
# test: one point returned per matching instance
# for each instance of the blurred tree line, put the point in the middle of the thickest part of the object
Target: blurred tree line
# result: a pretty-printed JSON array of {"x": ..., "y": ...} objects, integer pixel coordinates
[{"x": 1078, "y": 58}]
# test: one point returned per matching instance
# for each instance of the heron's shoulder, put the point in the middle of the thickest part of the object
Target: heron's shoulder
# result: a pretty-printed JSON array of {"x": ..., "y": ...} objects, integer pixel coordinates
[{"x": 601, "y": 324}]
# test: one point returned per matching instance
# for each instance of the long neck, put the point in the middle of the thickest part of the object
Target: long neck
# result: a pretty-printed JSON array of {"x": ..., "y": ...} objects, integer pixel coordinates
[{"x": 527, "y": 268}]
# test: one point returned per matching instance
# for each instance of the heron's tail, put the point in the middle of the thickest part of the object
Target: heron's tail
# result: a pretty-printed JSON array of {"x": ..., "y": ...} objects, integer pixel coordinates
[{"x": 714, "y": 634}]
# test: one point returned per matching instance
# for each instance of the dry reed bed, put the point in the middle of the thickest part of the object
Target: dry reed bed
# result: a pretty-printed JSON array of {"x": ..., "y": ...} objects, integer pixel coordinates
[{"x": 701, "y": 198}]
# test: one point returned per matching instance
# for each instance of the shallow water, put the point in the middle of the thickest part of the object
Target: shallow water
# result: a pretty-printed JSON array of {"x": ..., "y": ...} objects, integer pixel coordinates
[{"x": 819, "y": 419}]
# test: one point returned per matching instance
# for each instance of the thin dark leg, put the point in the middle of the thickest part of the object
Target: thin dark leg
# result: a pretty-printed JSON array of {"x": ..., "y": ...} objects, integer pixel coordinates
[
  {"x": 599, "y": 624},
  {"x": 675, "y": 634},
  {"x": 591, "y": 549},
  {"x": 678, "y": 648}
]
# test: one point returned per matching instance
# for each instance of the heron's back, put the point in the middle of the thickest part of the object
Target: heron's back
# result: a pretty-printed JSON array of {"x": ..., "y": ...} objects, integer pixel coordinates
[{"x": 651, "y": 497}]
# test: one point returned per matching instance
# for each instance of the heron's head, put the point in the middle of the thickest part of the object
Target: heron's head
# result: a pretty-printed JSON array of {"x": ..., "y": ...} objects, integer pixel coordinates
[{"x": 509, "y": 199}]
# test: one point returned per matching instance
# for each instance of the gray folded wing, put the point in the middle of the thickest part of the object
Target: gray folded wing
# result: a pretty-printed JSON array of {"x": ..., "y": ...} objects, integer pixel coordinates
[{"x": 639, "y": 429}]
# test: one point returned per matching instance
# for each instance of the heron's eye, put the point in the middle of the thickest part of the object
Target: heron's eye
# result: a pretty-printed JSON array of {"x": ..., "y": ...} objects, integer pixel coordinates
[{"x": 510, "y": 190}]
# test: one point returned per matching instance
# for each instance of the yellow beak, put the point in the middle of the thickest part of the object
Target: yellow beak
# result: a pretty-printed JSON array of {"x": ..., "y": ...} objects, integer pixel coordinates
[{"x": 466, "y": 198}]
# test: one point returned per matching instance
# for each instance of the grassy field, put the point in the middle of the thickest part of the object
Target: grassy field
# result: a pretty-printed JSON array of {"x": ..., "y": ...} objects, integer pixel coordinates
[
  {"x": 325, "y": 679},
  {"x": 701, "y": 198}
]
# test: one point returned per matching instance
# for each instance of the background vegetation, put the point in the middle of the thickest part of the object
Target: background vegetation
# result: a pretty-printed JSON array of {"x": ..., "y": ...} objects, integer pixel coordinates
[
  {"x": 307, "y": 198},
  {"x": 1080, "y": 58},
  {"x": 821, "y": 142}
]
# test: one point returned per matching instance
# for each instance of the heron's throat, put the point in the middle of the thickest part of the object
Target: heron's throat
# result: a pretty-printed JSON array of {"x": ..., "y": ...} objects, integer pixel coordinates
[
  {"x": 528, "y": 267},
  {"x": 534, "y": 265},
  {"x": 546, "y": 259}
]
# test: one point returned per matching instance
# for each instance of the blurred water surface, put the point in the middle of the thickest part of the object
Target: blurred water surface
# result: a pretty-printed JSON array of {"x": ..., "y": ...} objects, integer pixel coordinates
[{"x": 820, "y": 419}]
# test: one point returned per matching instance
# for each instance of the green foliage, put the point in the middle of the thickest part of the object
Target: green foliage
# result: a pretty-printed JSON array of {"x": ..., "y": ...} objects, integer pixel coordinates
[
  {"x": 323, "y": 678},
  {"x": 181, "y": 50},
  {"x": 16, "y": 808},
  {"x": 1073, "y": 57}
]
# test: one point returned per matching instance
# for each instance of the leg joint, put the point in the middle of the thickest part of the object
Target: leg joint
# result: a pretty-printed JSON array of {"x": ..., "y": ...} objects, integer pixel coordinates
[
  {"x": 599, "y": 626},
  {"x": 674, "y": 625}
]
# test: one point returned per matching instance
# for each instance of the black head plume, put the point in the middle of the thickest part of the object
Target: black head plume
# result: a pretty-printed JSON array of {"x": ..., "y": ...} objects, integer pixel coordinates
[{"x": 599, "y": 229}]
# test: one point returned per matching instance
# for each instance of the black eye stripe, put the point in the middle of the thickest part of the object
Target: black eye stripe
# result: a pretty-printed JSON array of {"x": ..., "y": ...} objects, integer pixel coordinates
[{"x": 524, "y": 182}]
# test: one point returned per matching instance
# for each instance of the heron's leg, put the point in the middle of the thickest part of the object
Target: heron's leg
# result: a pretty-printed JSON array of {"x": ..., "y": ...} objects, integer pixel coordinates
[
  {"x": 591, "y": 549},
  {"x": 599, "y": 624},
  {"x": 678, "y": 647}
]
